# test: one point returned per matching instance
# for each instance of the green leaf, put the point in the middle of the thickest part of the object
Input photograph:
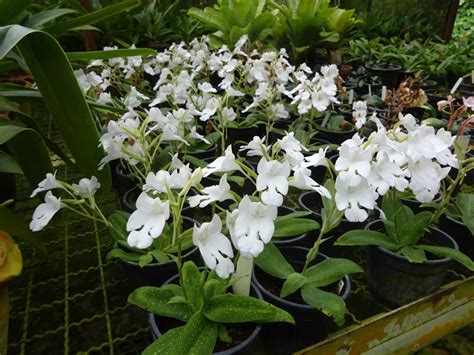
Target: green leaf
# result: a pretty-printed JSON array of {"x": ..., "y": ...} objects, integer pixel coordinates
[
  {"x": 37, "y": 21},
  {"x": 292, "y": 284},
  {"x": 413, "y": 227},
  {"x": 88, "y": 56},
  {"x": 15, "y": 225},
  {"x": 10, "y": 10},
  {"x": 145, "y": 259},
  {"x": 193, "y": 285},
  {"x": 366, "y": 237},
  {"x": 465, "y": 204},
  {"x": 197, "y": 337},
  {"x": 29, "y": 150},
  {"x": 63, "y": 96},
  {"x": 413, "y": 254},
  {"x": 118, "y": 228},
  {"x": 8, "y": 164},
  {"x": 328, "y": 303},
  {"x": 117, "y": 253},
  {"x": 160, "y": 256},
  {"x": 289, "y": 227},
  {"x": 329, "y": 271},
  {"x": 213, "y": 287},
  {"x": 92, "y": 17},
  {"x": 272, "y": 261},
  {"x": 449, "y": 252},
  {"x": 156, "y": 300},
  {"x": 233, "y": 308}
]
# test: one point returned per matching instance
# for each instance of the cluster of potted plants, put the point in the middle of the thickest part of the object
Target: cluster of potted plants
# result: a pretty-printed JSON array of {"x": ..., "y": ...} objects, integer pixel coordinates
[{"x": 217, "y": 147}]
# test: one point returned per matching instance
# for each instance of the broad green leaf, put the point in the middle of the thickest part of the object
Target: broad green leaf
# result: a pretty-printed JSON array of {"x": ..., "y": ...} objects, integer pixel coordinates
[
  {"x": 213, "y": 288},
  {"x": 413, "y": 254},
  {"x": 328, "y": 303},
  {"x": 465, "y": 204},
  {"x": 118, "y": 228},
  {"x": 292, "y": 284},
  {"x": 366, "y": 237},
  {"x": 329, "y": 271},
  {"x": 290, "y": 227},
  {"x": 233, "y": 308},
  {"x": 197, "y": 337},
  {"x": 449, "y": 252},
  {"x": 63, "y": 96},
  {"x": 8, "y": 164},
  {"x": 155, "y": 300},
  {"x": 160, "y": 256},
  {"x": 272, "y": 261},
  {"x": 29, "y": 150},
  {"x": 193, "y": 285},
  {"x": 88, "y": 56},
  {"x": 145, "y": 259},
  {"x": 10, "y": 10},
  {"x": 16, "y": 226},
  {"x": 413, "y": 227},
  {"x": 92, "y": 17}
]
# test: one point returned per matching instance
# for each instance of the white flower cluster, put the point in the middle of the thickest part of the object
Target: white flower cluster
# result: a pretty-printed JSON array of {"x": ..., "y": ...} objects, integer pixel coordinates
[
  {"x": 359, "y": 113},
  {"x": 213, "y": 84},
  {"x": 251, "y": 224},
  {"x": 84, "y": 192},
  {"x": 407, "y": 156}
]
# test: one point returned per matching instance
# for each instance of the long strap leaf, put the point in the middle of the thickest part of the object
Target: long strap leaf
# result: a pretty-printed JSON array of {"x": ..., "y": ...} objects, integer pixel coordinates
[
  {"x": 92, "y": 17},
  {"x": 11, "y": 9},
  {"x": 64, "y": 98},
  {"x": 29, "y": 150}
]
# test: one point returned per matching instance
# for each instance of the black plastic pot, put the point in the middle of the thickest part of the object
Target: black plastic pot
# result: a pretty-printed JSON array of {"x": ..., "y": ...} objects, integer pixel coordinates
[
  {"x": 460, "y": 233},
  {"x": 311, "y": 201},
  {"x": 128, "y": 200},
  {"x": 245, "y": 347},
  {"x": 388, "y": 74},
  {"x": 155, "y": 274},
  {"x": 333, "y": 136},
  {"x": 425, "y": 84},
  {"x": 395, "y": 281},
  {"x": 311, "y": 325},
  {"x": 123, "y": 181}
]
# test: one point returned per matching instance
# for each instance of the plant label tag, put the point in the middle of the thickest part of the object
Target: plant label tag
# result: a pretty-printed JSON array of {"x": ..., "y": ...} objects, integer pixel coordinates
[
  {"x": 384, "y": 92},
  {"x": 370, "y": 90},
  {"x": 351, "y": 96},
  {"x": 455, "y": 86}
]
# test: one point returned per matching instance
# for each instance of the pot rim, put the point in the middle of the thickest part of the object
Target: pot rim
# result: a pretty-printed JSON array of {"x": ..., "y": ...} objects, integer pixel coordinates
[
  {"x": 305, "y": 307},
  {"x": 402, "y": 258},
  {"x": 235, "y": 349}
]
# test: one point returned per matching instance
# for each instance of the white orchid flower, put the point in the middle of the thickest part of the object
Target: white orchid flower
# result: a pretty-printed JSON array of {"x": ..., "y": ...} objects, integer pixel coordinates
[
  {"x": 302, "y": 180},
  {"x": 251, "y": 226},
  {"x": 351, "y": 197},
  {"x": 45, "y": 211},
  {"x": 148, "y": 221},
  {"x": 216, "y": 193},
  {"x": 215, "y": 248},
  {"x": 49, "y": 183},
  {"x": 255, "y": 147},
  {"x": 272, "y": 181},
  {"x": 87, "y": 187},
  {"x": 222, "y": 164}
]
